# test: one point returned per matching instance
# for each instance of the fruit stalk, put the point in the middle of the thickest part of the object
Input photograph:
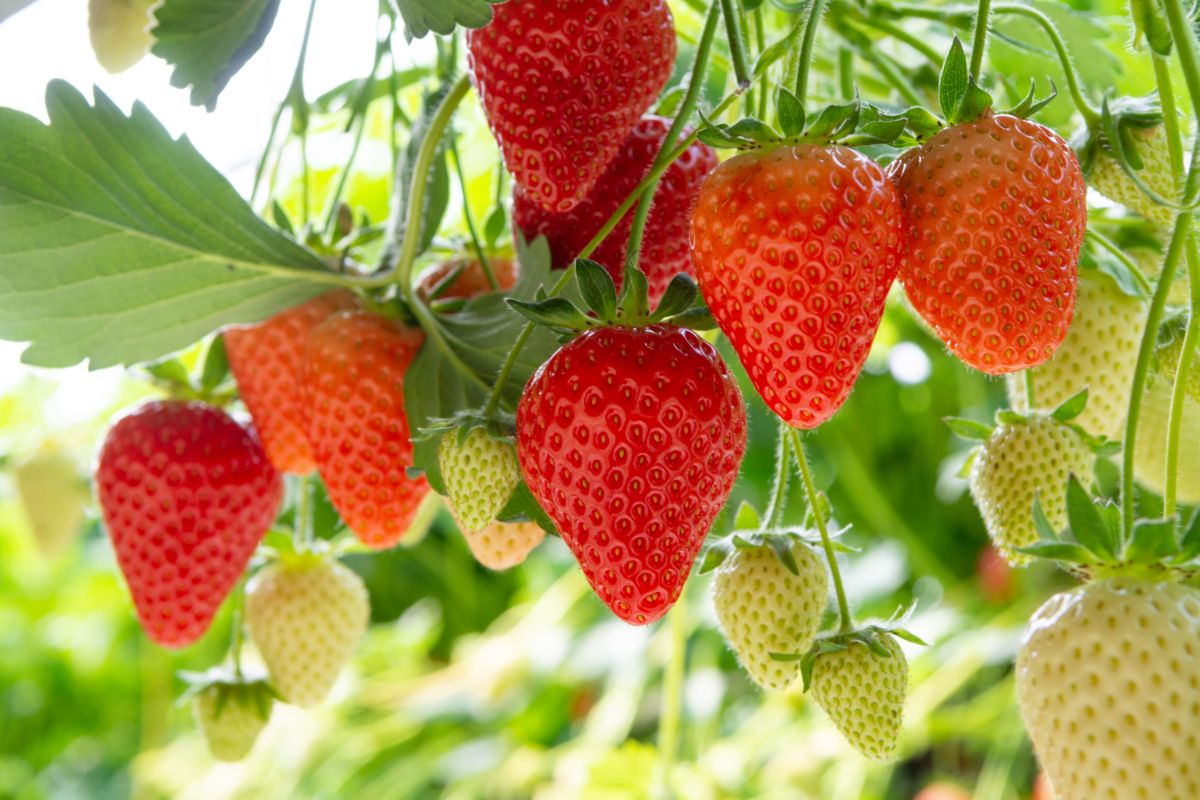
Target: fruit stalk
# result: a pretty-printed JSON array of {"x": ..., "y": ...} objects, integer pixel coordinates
[
  {"x": 1064, "y": 57},
  {"x": 774, "y": 513},
  {"x": 737, "y": 45},
  {"x": 979, "y": 43},
  {"x": 815, "y": 8},
  {"x": 686, "y": 106},
  {"x": 846, "y": 622},
  {"x": 672, "y": 694}
]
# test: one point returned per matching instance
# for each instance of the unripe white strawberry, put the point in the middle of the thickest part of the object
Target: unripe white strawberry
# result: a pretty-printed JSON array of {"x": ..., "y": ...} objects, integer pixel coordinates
[
  {"x": 1109, "y": 179},
  {"x": 1099, "y": 354},
  {"x": 863, "y": 694},
  {"x": 764, "y": 607},
  {"x": 501, "y": 545},
  {"x": 1023, "y": 460},
  {"x": 1150, "y": 451},
  {"x": 231, "y": 714},
  {"x": 306, "y": 613},
  {"x": 1107, "y": 678},
  {"x": 53, "y": 494},
  {"x": 120, "y": 31},
  {"x": 480, "y": 472}
]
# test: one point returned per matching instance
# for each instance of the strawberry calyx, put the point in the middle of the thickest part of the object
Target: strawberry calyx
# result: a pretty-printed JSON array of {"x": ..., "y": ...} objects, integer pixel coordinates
[
  {"x": 852, "y": 124},
  {"x": 871, "y": 635},
  {"x": 230, "y": 686},
  {"x": 1091, "y": 546},
  {"x": 211, "y": 382},
  {"x": 681, "y": 304}
]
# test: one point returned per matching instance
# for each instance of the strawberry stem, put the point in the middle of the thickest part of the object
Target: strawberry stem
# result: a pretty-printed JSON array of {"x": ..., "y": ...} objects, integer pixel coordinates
[
  {"x": 846, "y": 620},
  {"x": 815, "y": 8},
  {"x": 672, "y": 693},
  {"x": 302, "y": 524},
  {"x": 774, "y": 513},
  {"x": 979, "y": 43},
  {"x": 476, "y": 242},
  {"x": 737, "y": 45}
]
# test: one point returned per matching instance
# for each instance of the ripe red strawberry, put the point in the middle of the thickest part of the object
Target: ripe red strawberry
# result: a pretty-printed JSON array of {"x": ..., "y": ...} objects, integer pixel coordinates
[
  {"x": 665, "y": 251},
  {"x": 471, "y": 281},
  {"x": 353, "y": 386},
  {"x": 187, "y": 495},
  {"x": 265, "y": 361},
  {"x": 563, "y": 81},
  {"x": 631, "y": 438},
  {"x": 995, "y": 211},
  {"x": 795, "y": 249}
]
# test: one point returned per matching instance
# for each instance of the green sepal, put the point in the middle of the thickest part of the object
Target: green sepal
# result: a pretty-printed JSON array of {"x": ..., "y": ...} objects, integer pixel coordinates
[
  {"x": 552, "y": 312},
  {"x": 1149, "y": 26},
  {"x": 1153, "y": 540},
  {"x": 1068, "y": 552},
  {"x": 494, "y": 227},
  {"x": 597, "y": 289},
  {"x": 869, "y": 635},
  {"x": 791, "y": 114},
  {"x": 1088, "y": 527},
  {"x": 634, "y": 304},
  {"x": 747, "y": 517},
  {"x": 215, "y": 369},
  {"x": 1189, "y": 544},
  {"x": 961, "y": 98},
  {"x": 171, "y": 373},
  {"x": 1031, "y": 104},
  {"x": 229, "y": 683},
  {"x": 524, "y": 507},
  {"x": 680, "y": 296},
  {"x": 698, "y": 318},
  {"x": 780, "y": 542},
  {"x": 969, "y": 429},
  {"x": 1072, "y": 407}
]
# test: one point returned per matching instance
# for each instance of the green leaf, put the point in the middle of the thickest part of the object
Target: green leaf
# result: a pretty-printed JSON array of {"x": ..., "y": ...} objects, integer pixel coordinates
[
  {"x": 753, "y": 129},
  {"x": 1086, "y": 523},
  {"x": 791, "y": 114},
  {"x": 782, "y": 547},
  {"x": 952, "y": 85},
  {"x": 969, "y": 429},
  {"x": 523, "y": 506},
  {"x": 1072, "y": 407},
  {"x": 441, "y": 16},
  {"x": 597, "y": 288},
  {"x": 122, "y": 245},
  {"x": 495, "y": 225},
  {"x": 208, "y": 41}
]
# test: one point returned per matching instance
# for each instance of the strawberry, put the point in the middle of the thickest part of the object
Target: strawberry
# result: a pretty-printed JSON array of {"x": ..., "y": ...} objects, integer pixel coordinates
[
  {"x": 765, "y": 605},
  {"x": 306, "y": 613},
  {"x": 501, "y": 545},
  {"x": 1099, "y": 354},
  {"x": 863, "y": 694},
  {"x": 231, "y": 713},
  {"x": 471, "y": 280},
  {"x": 631, "y": 438},
  {"x": 995, "y": 211},
  {"x": 53, "y": 495},
  {"x": 186, "y": 494},
  {"x": 1042, "y": 790},
  {"x": 665, "y": 251},
  {"x": 352, "y": 381},
  {"x": 1024, "y": 459},
  {"x": 795, "y": 249},
  {"x": 265, "y": 361},
  {"x": 480, "y": 472},
  {"x": 943, "y": 791},
  {"x": 1106, "y": 679},
  {"x": 994, "y": 576},
  {"x": 562, "y": 82},
  {"x": 1150, "y": 450},
  {"x": 1108, "y": 178}
]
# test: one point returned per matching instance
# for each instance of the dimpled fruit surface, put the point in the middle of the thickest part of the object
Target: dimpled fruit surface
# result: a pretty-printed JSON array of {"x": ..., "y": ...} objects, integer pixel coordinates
[
  {"x": 631, "y": 439},
  {"x": 305, "y": 615},
  {"x": 187, "y": 495},
  {"x": 562, "y": 82},
  {"x": 864, "y": 695},
  {"x": 353, "y": 384},
  {"x": 995, "y": 211},
  {"x": 1108, "y": 678},
  {"x": 795, "y": 250}
]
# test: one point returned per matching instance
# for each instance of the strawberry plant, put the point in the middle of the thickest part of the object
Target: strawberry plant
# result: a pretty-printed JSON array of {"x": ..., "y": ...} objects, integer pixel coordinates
[{"x": 529, "y": 334}]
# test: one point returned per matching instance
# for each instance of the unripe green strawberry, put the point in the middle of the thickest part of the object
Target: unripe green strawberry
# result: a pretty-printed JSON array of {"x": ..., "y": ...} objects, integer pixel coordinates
[
  {"x": 53, "y": 494},
  {"x": 1150, "y": 451},
  {"x": 1107, "y": 683},
  {"x": 1109, "y": 179},
  {"x": 1099, "y": 354},
  {"x": 1023, "y": 460},
  {"x": 306, "y": 613},
  {"x": 763, "y": 608},
  {"x": 231, "y": 714},
  {"x": 501, "y": 545},
  {"x": 480, "y": 472},
  {"x": 863, "y": 693}
]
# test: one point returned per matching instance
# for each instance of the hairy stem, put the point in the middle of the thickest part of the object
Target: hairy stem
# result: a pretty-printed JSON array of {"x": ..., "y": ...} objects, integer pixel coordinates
[
  {"x": 814, "y": 503},
  {"x": 737, "y": 45},
  {"x": 979, "y": 43},
  {"x": 779, "y": 486},
  {"x": 815, "y": 9}
]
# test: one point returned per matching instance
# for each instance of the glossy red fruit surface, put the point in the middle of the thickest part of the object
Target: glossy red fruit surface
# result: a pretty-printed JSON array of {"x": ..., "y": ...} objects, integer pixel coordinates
[
  {"x": 630, "y": 439},
  {"x": 665, "y": 252},
  {"x": 186, "y": 494},
  {"x": 353, "y": 385},
  {"x": 795, "y": 249},
  {"x": 265, "y": 361},
  {"x": 563, "y": 82},
  {"x": 995, "y": 210}
]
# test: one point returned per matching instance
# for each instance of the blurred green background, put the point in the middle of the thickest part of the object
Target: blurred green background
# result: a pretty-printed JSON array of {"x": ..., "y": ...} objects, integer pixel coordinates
[{"x": 473, "y": 684}]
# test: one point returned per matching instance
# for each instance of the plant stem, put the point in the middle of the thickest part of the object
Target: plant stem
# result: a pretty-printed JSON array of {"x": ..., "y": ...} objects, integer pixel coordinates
[
  {"x": 979, "y": 44},
  {"x": 303, "y": 522},
  {"x": 672, "y": 694},
  {"x": 416, "y": 193},
  {"x": 845, "y": 71},
  {"x": 779, "y": 486},
  {"x": 814, "y": 504},
  {"x": 1086, "y": 110},
  {"x": 235, "y": 621},
  {"x": 686, "y": 106},
  {"x": 470, "y": 220},
  {"x": 300, "y": 110},
  {"x": 815, "y": 8},
  {"x": 737, "y": 46}
]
